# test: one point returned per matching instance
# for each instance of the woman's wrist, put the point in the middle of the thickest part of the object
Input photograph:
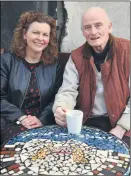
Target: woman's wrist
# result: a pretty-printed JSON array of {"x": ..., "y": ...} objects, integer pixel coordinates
[{"x": 21, "y": 118}]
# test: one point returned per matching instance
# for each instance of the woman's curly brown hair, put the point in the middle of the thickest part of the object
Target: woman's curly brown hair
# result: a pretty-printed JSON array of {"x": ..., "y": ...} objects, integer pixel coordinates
[{"x": 18, "y": 46}]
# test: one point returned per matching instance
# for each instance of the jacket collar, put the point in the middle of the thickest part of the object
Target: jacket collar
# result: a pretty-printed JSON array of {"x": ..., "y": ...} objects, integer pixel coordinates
[{"x": 112, "y": 46}]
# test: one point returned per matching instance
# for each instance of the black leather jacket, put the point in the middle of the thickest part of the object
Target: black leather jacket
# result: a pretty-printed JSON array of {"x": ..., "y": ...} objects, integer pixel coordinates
[{"x": 15, "y": 78}]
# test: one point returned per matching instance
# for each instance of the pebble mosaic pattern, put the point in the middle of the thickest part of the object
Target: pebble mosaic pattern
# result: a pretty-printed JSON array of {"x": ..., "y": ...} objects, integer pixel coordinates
[{"x": 43, "y": 152}]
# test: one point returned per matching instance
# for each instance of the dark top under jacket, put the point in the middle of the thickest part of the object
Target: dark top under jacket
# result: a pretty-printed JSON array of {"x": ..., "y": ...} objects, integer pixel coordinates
[
  {"x": 99, "y": 58},
  {"x": 31, "y": 104}
]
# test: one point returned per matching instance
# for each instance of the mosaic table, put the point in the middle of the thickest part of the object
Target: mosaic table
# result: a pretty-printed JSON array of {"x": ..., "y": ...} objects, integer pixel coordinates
[{"x": 52, "y": 151}]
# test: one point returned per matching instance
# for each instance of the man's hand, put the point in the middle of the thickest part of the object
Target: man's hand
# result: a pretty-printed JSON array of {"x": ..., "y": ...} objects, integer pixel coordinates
[
  {"x": 118, "y": 131},
  {"x": 31, "y": 122},
  {"x": 60, "y": 116}
]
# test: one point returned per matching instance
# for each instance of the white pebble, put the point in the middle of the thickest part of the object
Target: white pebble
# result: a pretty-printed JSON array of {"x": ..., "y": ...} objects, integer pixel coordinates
[
  {"x": 17, "y": 149},
  {"x": 30, "y": 172}
]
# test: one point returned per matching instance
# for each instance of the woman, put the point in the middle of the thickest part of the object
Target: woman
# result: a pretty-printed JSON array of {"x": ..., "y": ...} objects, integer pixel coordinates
[{"x": 30, "y": 76}]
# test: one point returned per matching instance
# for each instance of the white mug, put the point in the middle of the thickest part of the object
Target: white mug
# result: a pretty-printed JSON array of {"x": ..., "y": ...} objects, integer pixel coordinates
[{"x": 74, "y": 120}]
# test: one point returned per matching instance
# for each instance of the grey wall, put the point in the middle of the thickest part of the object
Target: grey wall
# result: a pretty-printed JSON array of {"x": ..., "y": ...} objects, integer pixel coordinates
[{"x": 119, "y": 13}]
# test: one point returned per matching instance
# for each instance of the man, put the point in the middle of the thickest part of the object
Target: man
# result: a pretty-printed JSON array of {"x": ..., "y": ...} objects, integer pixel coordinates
[{"x": 96, "y": 78}]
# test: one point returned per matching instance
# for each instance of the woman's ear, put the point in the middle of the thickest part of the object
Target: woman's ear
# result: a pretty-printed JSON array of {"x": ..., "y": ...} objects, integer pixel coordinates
[{"x": 24, "y": 34}]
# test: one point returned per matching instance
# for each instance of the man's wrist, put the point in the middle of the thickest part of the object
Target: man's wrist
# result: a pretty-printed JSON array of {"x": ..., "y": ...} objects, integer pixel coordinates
[{"x": 122, "y": 128}]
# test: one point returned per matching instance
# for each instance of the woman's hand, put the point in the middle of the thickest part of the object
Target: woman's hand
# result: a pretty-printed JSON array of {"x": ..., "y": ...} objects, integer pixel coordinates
[{"x": 31, "y": 122}]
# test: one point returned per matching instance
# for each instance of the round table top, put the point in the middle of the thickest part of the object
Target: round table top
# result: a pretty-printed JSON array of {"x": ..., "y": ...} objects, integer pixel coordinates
[{"x": 50, "y": 150}]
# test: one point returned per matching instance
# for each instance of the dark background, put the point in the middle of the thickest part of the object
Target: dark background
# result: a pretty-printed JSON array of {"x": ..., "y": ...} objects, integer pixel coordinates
[{"x": 11, "y": 10}]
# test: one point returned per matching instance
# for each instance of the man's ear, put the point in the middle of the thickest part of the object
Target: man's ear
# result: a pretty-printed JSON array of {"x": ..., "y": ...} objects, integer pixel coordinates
[
  {"x": 110, "y": 27},
  {"x": 82, "y": 32}
]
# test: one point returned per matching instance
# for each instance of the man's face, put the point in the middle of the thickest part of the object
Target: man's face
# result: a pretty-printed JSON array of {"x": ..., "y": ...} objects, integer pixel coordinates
[{"x": 96, "y": 30}]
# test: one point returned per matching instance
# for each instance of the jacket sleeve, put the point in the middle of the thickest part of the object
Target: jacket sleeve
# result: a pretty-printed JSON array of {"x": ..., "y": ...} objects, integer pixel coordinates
[
  {"x": 47, "y": 116},
  {"x": 124, "y": 121},
  {"x": 9, "y": 111},
  {"x": 67, "y": 94}
]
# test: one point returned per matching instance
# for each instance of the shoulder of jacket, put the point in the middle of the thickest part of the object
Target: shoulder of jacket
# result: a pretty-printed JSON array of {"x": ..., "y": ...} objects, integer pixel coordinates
[
  {"x": 8, "y": 57},
  {"x": 78, "y": 51},
  {"x": 122, "y": 41},
  {"x": 122, "y": 44}
]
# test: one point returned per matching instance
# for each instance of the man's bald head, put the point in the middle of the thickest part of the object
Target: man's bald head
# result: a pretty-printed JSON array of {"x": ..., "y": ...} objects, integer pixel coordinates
[{"x": 94, "y": 12}]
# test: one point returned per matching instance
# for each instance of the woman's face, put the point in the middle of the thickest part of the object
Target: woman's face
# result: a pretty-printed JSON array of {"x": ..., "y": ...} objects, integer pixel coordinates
[{"x": 37, "y": 37}]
